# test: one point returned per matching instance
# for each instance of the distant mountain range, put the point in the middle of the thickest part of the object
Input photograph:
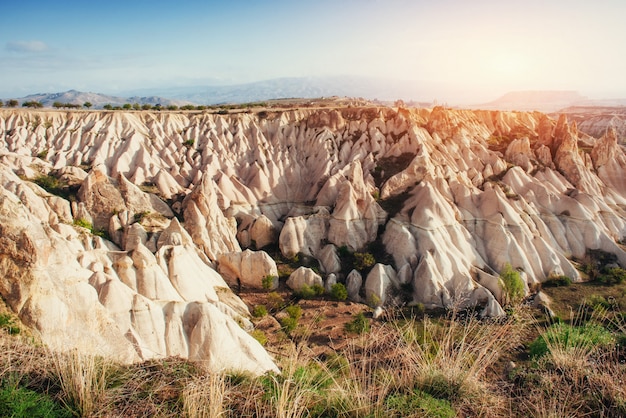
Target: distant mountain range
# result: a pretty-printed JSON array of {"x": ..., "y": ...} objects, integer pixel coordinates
[
  {"x": 98, "y": 100},
  {"x": 383, "y": 90},
  {"x": 302, "y": 87},
  {"x": 546, "y": 101}
]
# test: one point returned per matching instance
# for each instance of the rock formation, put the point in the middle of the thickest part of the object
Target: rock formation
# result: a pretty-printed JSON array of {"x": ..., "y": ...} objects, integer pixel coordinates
[{"x": 451, "y": 196}]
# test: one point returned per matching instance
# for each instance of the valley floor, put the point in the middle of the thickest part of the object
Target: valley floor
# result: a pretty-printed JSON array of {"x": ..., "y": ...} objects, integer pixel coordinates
[{"x": 337, "y": 361}]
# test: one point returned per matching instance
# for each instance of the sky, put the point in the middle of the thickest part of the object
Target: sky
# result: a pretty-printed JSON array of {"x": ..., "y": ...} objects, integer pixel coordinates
[{"x": 473, "y": 47}]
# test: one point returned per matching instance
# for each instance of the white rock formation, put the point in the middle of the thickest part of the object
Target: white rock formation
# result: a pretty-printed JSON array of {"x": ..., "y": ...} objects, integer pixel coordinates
[
  {"x": 248, "y": 269},
  {"x": 129, "y": 305},
  {"x": 465, "y": 192},
  {"x": 304, "y": 276},
  {"x": 379, "y": 283}
]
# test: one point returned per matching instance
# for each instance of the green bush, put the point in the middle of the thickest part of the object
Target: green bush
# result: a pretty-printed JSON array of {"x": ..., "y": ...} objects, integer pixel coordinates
[
  {"x": 268, "y": 282},
  {"x": 418, "y": 403},
  {"x": 363, "y": 261},
  {"x": 260, "y": 336},
  {"x": 8, "y": 324},
  {"x": 557, "y": 281},
  {"x": 309, "y": 292},
  {"x": 189, "y": 143},
  {"x": 598, "y": 303},
  {"x": 259, "y": 311},
  {"x": 294, "y": 311},
  {"x": 512, "y": 284},
  {"x": 359, "y": 324},
  {"x": 288, "y": 324},
  {"x": 339, "y": 291},
  {"x": 611, "y": 276},
  {"x": 48, "y": 183},
  {"x": 19, "y": 402},
  {"x": 275, "y": 302},
  {"x": 563, "y": 336},
  {"x": 83, "y": 223}
]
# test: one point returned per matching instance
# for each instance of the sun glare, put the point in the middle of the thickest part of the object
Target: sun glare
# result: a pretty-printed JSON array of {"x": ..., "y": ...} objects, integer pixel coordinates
[{"x": 509, "y": 67}]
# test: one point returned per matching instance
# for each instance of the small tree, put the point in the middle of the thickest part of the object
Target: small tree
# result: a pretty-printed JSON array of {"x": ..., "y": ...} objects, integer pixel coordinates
[
  {"x": 339, "y": 291},
  {"x": 12, "y": 103},
  {"x": 146, "y": 106},
  {"x": 108, "y": 106},
  {"x": 57, "y": 105},
  {"x": 363, "y": 261},
  {"x": 1, "y": 103},
  {"x": 512, "y": 284},
  {"x": 127, "y": 106},
  {"x": 136, "y": 106},
  {"x": 87, "y": 105},
  {"x": 32, "y": 104}
]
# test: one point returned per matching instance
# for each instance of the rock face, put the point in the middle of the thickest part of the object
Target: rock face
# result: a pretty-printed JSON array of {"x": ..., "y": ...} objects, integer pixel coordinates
[
  {"x": 248, "y": 269},
  {"x": 80, "y": 292},
  {"x": 302, "y": 277},
  {"x": 451, "y": 196}
]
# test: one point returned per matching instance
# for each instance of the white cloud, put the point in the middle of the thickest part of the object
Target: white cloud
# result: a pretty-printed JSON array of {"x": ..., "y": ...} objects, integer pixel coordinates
[{"x": 26, "y": 46}]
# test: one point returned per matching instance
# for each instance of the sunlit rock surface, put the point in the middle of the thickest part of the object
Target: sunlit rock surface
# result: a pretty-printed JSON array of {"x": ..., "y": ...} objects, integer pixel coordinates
[{"x": 452, "y": 196}]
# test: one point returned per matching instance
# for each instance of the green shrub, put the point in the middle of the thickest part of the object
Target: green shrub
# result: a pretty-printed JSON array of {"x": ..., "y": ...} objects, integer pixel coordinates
[
  {"x": 83, "y": 223},
  {"x": 8, "y": 324},
  {"x": 259, "y": 311},
  {"x": 363, "y": 261},
  {"x": 275, "y": 302},
  {"x": 611, "y": 276},
  {"x": 359, "y": 324},
  {"x": 565, "y": 337},
  {"x": 339, "y": 291},
  {"x": 260, "y": 336},
  {"x": 288, "y": 324},
  {"x": 19, "y": 402},
  {"x": 189, "y": 143},
  {"x": 268, "y": 282},
  {"x": 294, "y": 311},
  {"x": 418, "y": 403},
  {"x": 48, "y": 183},
  {"x": 598, "y": 303},
  {"x": 309, "y": 292},
  {"x": 558, "y": 281},
  {"x": 512, "y": 284}
]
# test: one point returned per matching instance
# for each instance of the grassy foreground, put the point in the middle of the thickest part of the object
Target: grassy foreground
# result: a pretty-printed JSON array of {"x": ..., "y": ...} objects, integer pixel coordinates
[{"x": 406, "y": 365}]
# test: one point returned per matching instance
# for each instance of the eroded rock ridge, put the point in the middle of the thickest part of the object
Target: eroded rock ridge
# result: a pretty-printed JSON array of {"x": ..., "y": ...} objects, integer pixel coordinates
[{"x": 451, "y": 196}]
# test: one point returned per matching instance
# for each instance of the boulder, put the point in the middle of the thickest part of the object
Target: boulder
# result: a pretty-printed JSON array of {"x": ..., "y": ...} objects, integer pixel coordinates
[
  {"x": 304, "y": 276},
  {"x": 354, "y": 281},
  {"x": 379, "y": 282},
  {"x": 248, "y": 269}
]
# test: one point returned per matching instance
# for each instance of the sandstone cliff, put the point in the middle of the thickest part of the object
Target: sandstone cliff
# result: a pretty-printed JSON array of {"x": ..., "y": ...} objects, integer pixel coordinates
[{"x": 452, "y": 195}]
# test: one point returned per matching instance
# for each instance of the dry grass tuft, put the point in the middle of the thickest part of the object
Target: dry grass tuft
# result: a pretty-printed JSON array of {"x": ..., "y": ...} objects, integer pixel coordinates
[
  {"x": 205, "y": 396},
  {"x": 82, "y": 379}
]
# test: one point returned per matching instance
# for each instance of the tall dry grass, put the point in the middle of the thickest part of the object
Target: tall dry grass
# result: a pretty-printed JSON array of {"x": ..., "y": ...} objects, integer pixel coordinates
[
  {"x": 409, "y": 367},
  {"x": 82, "y": 379},
  {"x": 205, "y": 396}
]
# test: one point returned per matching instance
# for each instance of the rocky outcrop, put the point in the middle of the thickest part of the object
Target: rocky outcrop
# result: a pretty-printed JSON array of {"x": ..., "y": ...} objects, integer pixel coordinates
[
  {"x": 210, "y": 230},
  {"x": 464, "y": 193},
  {"x": 304, "y": 276},
  {"x": 248, "y": 269},
  {"x": 79, "y": 292}
]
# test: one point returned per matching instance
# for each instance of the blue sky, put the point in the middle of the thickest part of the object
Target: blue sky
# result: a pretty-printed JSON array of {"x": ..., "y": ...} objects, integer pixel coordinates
[{"x": 485, "y": 46}]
